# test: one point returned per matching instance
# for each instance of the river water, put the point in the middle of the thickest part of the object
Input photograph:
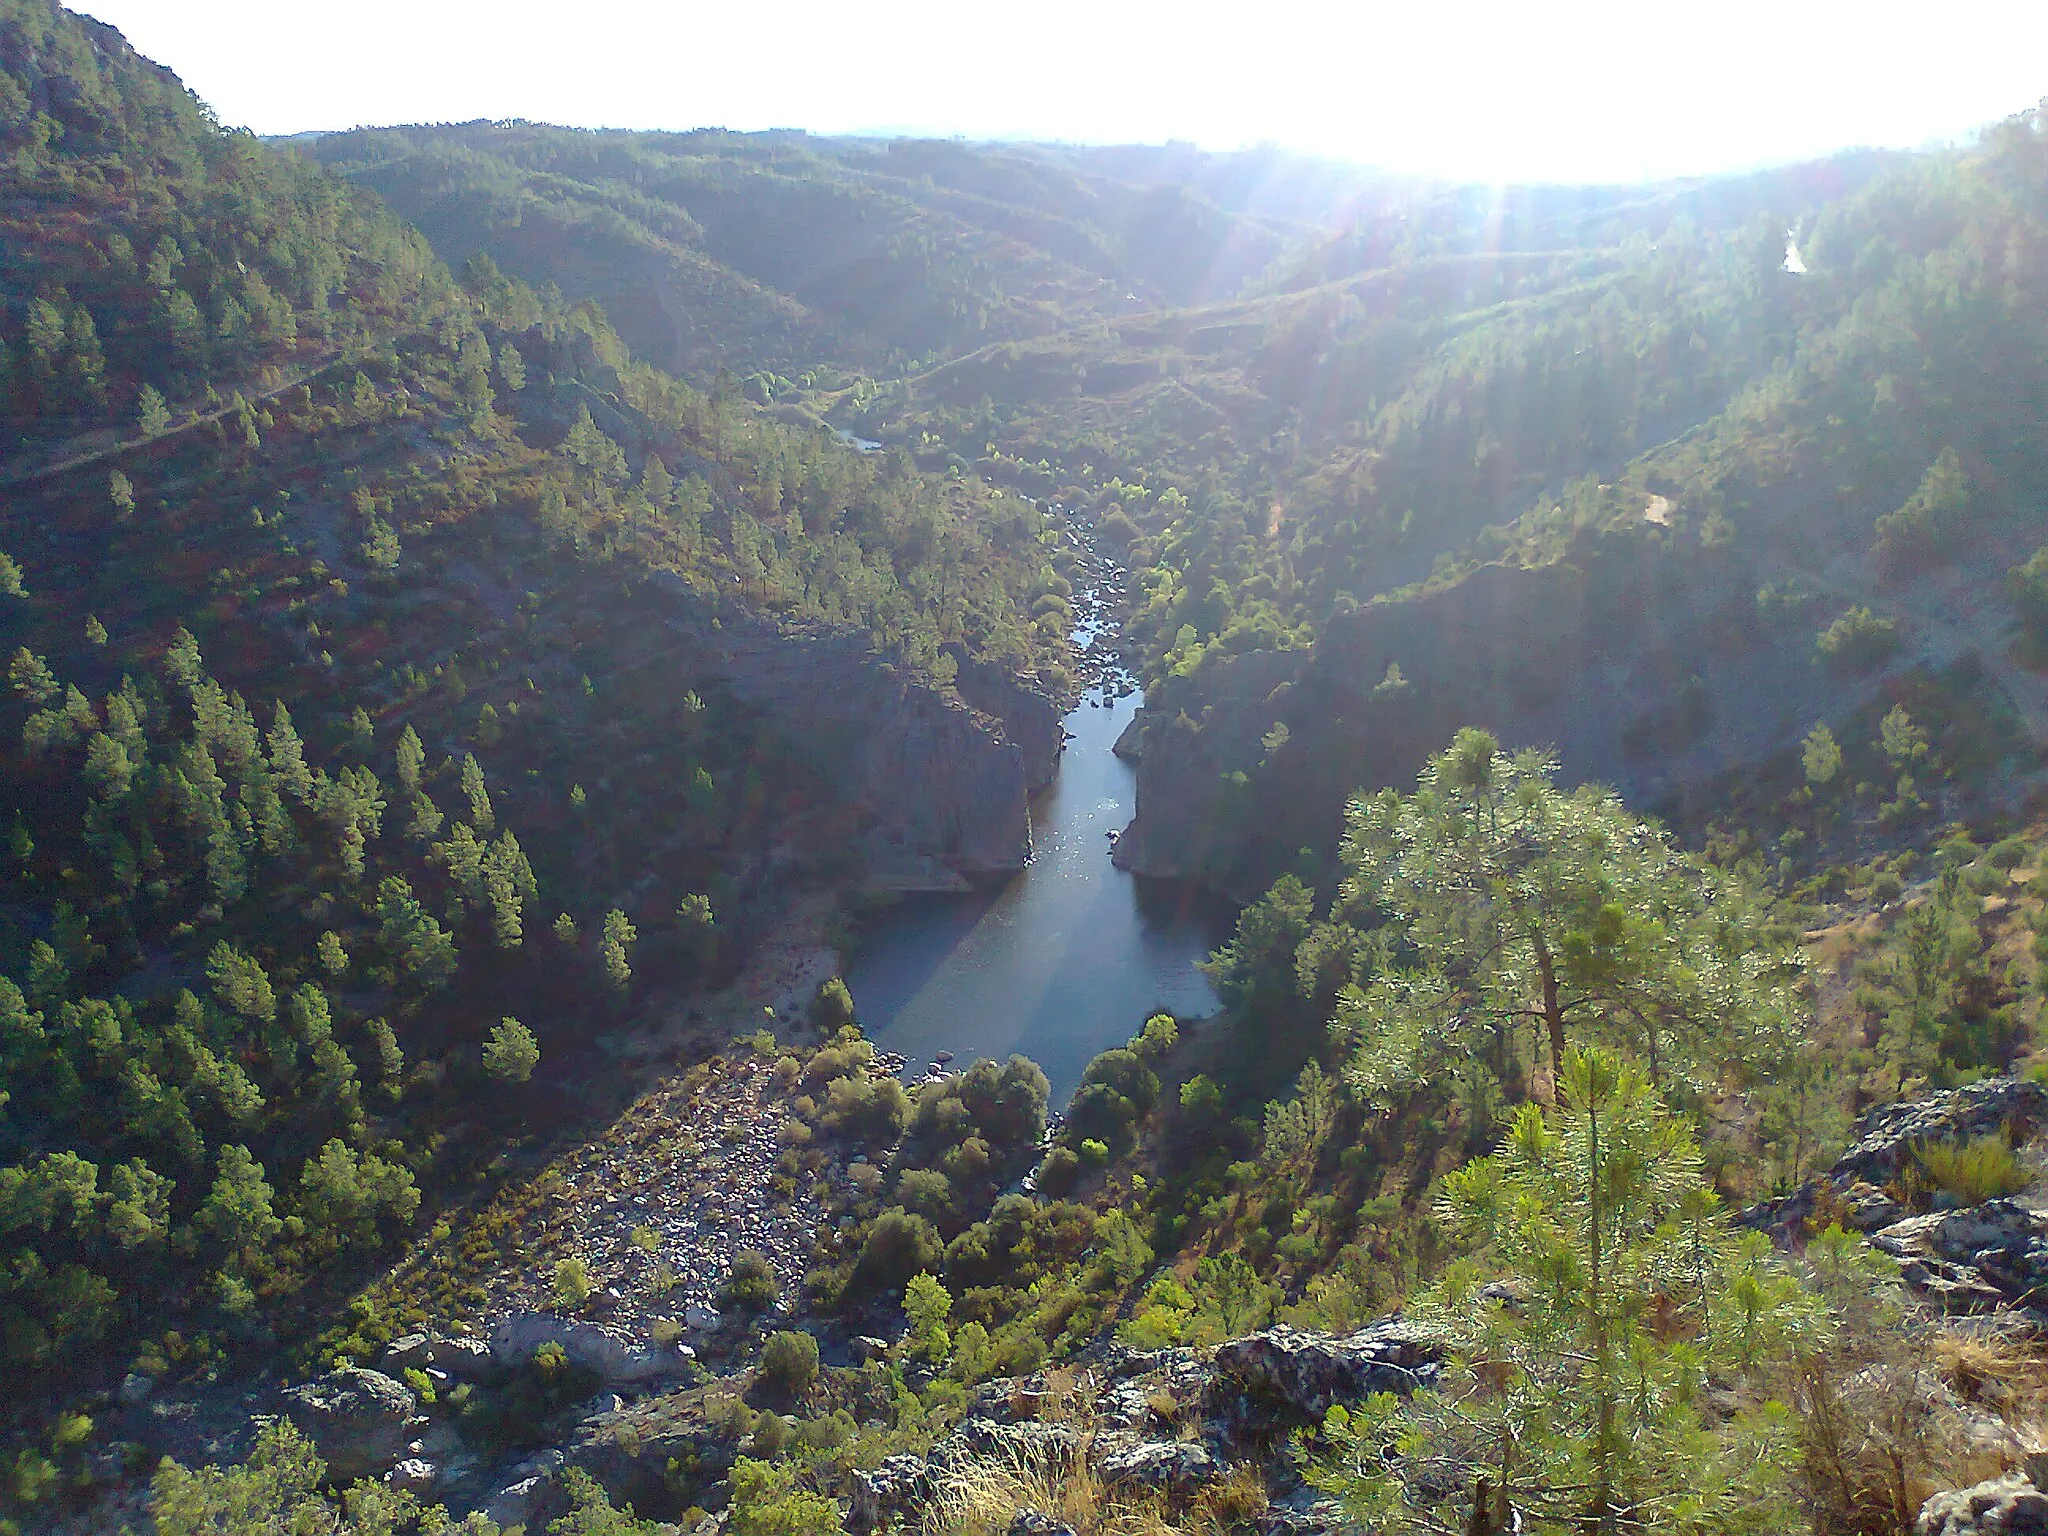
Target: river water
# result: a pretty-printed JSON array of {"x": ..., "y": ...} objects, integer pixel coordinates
[{"x": 1067, "y": 957}]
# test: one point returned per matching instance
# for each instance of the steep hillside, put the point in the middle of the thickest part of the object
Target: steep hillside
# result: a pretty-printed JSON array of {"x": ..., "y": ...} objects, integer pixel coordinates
[
  {"x": 1837, "y": 535},
  {"x": 776, "y": 253},
  {"x": 407, "y": 686}
]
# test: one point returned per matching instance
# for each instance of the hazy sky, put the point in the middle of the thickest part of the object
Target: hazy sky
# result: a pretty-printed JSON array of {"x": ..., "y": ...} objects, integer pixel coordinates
[{"x": 1567, "y": 90}]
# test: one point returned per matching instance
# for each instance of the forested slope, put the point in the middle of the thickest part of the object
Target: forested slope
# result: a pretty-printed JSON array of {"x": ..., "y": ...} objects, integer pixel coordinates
[{"x": 366, "y": 691}]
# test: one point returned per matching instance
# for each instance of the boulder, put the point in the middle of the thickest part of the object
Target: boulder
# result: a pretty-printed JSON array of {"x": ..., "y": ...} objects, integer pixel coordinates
[
  {"x": 1885, "y": 1138},
  {"x": 359, "y": 1420},
  {"x": 902, "y": 1484},
  {"x": 1287, "y": 1376},
  {"x": 415, "y": 1474},
  {"x": 2005, "y": 1506},
  {"x": 464, "y": 1359},
  {"x": 1176, "y": 1468},
  {"x": 1981, "y": 1256},
  {"x": 516, "y": 1503},
  {"x": 1029, "y": 1522},
  {"x": 896, "y": 1487},
  {"x": 587, "y": 1346}
]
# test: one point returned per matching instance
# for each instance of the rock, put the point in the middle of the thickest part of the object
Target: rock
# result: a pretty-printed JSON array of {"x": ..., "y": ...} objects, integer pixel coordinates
[
  {"x": 413, "y": 1352},
  {"x": 1287, "y": 1375},
  {"x": 1125, "y": 1406},
  {"x": 1886, "y": 1136},
  {"x": 895, "y": 1487},
  {"x": 1885, "y": 1139},
  {"x": 1984, "y": 1255},
  {"x": 867, "y": 1348},
  {"x": 516, "y": 1503},
  {"x": 1029, "y": 1522},
  {"x": 2005, "y": 1506},
  {"x": 1869, "y": 1207},
  {"x": 701, "y": 1319},
  {"x": 135, "y": 1387},
  {"x": 1025, "y": 1443},
  {"x": 465, "y": 1359},
  {"x": 587, "y": 1345},
  {"x": 414, "y": 1475},
  {"x": 539, "y": 1464},
  {"x": 359, "y": 1420},
  {"x": 1318, "y": 1519},
  {"x": 943, "y": 773},
  {"x": 1176, "y": 1468}
]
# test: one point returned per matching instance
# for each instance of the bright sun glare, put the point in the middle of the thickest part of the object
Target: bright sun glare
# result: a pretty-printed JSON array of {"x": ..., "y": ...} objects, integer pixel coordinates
[{"x": 1488, "y": 90}]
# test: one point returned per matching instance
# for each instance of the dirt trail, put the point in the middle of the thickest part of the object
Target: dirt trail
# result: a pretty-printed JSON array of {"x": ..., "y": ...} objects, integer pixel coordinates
[{"x": 30, "y": 475}]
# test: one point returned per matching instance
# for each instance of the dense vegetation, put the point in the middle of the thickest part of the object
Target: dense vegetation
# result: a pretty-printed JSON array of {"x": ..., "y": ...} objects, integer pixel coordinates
[
  {"x": 353, "y": 704},
  {"x": 370, "y": 777}
]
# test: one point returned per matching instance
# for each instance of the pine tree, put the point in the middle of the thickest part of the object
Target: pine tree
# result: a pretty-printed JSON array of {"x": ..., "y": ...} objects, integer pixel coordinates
[
  {"x": 1525, "y": 909},
  {"x": 479, "y": 797},
  {"x": 619, "y": 936},
  {"x": 1578, "y": 1351},
  {"x": 153, "y": 417}
]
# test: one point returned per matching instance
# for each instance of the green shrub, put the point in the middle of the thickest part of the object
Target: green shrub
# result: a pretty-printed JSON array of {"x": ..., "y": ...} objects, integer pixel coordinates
[
  {"x": 752, "y": 1286},
  {"x": 1974, "y": 1171},
  {"x": 789, "y": 1361},
  {"x": 897, "y": 1246},
  {"x": 1056, "y": 1175},
  {"x": 572, "y": 1283},
  {"x": 1857, "y": 641}
]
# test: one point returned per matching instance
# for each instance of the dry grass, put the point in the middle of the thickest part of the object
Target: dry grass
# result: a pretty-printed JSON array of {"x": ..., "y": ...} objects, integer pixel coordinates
[{"x": 985, "y": 1497}]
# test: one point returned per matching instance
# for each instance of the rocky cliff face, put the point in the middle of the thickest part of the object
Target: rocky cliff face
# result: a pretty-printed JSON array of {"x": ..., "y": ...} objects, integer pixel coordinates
[
  {"x": 1646, "y": 668},
  {"x": 943, "y": 784}
]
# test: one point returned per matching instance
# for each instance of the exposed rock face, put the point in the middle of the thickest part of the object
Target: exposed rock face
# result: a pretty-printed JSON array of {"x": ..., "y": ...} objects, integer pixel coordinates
[
  {"x": 632, "y": 1448},
  {"x": 1176, "y": 1468},
  {"x": 902, "y": 1484},
  {"x": 1972, "y": 1260},
  {"x": 1885, "y": 1138},
  {"x": 360, "y": 1421},
  {"x": 899, "y": 1484},
  {"x": 1029, "y": 713},
  {"x": 2005, "y": 1506},
  {"x": 1649, "y": 669},
  {"x": 620, "y": 1363},
  {"x": 464, "y": 1359},
  {"x": 944, "y": 782},
  {"x": 1284, "y": 1375}
]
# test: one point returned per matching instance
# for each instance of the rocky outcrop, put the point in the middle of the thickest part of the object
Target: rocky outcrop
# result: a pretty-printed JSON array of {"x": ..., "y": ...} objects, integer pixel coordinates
[
  {"x": 1030, "y": 713},
  {"x": 2005, "y": 1506},
  {"x": 1647, "y": 668},
  {"x": 903, "y": 1484},
  {"x": 1885, "y": 1138},
  {"x": 461, "y": 1359},
  {"x": 1973, "y": 1260},
  {"x": 1176, "y": 1468},
  {"x": 617, "y": 1361},
  {"x": 359, "y": 1420},
  {"x": 1285, "y": 1376},
  {"x": 939, "y": 779}
]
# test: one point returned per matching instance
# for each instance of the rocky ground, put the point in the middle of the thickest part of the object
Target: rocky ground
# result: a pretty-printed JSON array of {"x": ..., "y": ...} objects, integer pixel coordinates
[{"x": 655, "y": 1211}]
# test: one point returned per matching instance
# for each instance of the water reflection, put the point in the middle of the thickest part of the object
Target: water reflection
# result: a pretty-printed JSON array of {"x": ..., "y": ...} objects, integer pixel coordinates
[{"x": 1063, "y": 960}]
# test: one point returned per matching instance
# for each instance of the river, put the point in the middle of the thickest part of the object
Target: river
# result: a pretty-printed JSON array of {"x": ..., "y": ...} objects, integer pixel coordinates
[{"x": 1065, "y": 958}]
